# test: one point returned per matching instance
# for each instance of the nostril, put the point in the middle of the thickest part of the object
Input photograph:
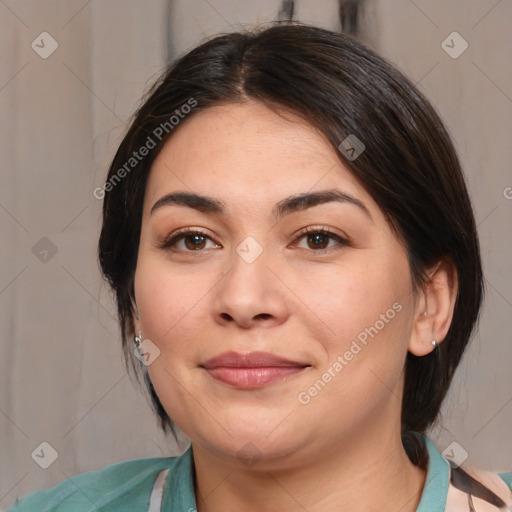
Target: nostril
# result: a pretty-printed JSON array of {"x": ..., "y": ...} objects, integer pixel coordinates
[{"x": 263, "y": 316}]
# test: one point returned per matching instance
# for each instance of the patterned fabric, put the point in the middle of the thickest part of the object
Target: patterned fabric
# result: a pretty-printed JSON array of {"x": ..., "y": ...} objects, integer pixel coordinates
[
  {"x": 167, "y": 485},
  {"x": 463, "y": 497}
]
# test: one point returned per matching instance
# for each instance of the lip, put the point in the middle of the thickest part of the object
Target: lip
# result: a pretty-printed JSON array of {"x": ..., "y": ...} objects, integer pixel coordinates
[{"x": 252, "y": 370}]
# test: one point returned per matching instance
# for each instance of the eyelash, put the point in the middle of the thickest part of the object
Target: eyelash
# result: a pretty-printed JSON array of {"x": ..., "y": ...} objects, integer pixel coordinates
[
  {"x": 169, "y": 242},
  {"x": 342, "y": 242},
  {"x": 176, "y": 237}
]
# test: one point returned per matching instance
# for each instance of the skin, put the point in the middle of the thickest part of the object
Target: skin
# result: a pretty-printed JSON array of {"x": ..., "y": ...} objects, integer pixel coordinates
[{"x": 342, "y": 448}]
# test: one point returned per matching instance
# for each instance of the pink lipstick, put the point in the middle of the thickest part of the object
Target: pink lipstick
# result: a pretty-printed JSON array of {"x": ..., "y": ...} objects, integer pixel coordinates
[{"x": 250, "y": 371}]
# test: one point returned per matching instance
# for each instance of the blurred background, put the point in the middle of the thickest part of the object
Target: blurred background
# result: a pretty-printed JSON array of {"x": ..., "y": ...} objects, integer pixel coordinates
[{"x": 71, "y": 75}]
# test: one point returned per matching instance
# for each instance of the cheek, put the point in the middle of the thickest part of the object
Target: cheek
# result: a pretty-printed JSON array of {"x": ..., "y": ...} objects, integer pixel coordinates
[
  {"x": 367, "y": 315},
  {"x": 361, "y": 371},
  {"x": 170, "y": 302},
  {"x": 171, "y": 314},
  {"x": 363, "y": 302}
]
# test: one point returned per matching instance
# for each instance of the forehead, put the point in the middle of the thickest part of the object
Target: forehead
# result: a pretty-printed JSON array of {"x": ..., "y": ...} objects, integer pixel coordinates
[{"x": 248, "y": 152}]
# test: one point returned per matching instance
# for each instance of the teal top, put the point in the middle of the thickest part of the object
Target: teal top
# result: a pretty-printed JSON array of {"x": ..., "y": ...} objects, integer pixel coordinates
[{"x": 129, "y": 485}]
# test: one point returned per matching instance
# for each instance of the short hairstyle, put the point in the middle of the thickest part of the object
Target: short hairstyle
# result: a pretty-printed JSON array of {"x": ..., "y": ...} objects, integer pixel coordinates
[{"x": 409, "y": 167}]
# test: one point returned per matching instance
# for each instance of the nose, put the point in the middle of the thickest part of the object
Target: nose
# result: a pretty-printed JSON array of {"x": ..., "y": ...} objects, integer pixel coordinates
[{"x": 250, "y": 295}]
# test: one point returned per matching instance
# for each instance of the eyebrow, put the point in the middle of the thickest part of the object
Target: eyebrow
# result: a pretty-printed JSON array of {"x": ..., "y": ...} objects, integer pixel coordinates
[{"x": 292, "y": 204}]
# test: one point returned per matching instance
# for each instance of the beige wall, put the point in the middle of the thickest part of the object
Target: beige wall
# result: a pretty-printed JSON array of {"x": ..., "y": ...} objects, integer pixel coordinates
[{"x": 61, "y": 375}]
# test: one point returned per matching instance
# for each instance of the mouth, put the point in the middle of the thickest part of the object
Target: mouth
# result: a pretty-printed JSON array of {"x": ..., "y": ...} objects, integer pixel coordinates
[{"x": 251, "y": 371}]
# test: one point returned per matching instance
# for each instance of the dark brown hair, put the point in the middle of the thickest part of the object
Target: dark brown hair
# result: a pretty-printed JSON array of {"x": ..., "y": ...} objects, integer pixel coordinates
[{"x": 409, "y": 166}]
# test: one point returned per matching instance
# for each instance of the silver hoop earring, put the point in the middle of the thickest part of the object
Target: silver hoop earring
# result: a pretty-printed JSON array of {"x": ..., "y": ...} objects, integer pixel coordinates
[{"x": 138, "y": 339}]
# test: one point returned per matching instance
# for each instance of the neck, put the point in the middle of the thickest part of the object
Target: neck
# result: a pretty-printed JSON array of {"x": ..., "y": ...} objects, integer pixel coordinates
[{"x": 355, "y": 475}]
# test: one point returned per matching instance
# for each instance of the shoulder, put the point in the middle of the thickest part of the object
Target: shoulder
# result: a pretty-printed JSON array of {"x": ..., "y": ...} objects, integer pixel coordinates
[
  {"x": 115, "y": 487},
  {"x": 484, "y": 490},
  {"x": 451, "y": 488}
]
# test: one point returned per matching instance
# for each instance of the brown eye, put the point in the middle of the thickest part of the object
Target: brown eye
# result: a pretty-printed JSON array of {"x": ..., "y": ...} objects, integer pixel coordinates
[
  {"x": 188, "y": 241},
  {"x": 194, "y": 242},
  {"x": 318, "y": 240}
]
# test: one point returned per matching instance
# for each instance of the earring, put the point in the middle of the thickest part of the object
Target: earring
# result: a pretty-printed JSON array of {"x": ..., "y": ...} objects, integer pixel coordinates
[
  {"x": 138, "y": 339},
  {"x": 434, "y": 343}
]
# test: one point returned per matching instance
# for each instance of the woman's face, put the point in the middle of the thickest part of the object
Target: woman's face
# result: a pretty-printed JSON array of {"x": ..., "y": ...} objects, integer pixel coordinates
[{"x": 268, "y": 335}]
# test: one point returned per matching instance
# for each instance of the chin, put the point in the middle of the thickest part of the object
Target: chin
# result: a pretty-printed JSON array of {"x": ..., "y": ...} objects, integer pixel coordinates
[{"x": 254, "y": 445}]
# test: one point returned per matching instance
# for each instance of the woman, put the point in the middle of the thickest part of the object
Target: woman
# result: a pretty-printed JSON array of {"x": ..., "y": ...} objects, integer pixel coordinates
[{"x": 288, "y": 233}]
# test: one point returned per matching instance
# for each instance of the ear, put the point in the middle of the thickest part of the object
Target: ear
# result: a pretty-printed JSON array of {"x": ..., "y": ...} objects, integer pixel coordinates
[{"x": 434, "y": 308}]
